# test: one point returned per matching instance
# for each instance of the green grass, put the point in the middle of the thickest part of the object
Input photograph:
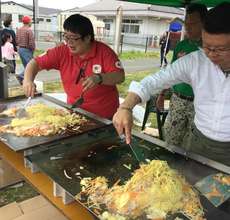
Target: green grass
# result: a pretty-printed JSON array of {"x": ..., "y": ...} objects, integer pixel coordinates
[
  {"x": 36, "y": 53},
  {"x": 53, "y": 87},
  {"x": 16, "y": 194},
  {"x": 130, "y": 55}
]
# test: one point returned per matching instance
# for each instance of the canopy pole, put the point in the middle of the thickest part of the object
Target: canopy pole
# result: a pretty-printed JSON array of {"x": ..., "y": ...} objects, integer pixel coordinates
[{"x": 117, "y": 39}]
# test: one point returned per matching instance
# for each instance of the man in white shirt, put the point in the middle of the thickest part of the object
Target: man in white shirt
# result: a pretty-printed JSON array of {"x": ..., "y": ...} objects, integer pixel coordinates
[{"x": 206, "y": 71}]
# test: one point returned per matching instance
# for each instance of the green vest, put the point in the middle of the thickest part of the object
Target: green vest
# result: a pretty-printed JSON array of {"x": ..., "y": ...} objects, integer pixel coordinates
[{"x": 186, "y": 46}]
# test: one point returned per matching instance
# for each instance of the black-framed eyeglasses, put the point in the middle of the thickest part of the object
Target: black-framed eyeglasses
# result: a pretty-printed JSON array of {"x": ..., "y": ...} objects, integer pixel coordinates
[
  {"x": 218, "y": 51},
  {"x": 70, "y": 39}
]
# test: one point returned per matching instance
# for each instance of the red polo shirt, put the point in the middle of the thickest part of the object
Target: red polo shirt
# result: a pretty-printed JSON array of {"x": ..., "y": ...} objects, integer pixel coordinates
[{"x": 102, "y": 100}]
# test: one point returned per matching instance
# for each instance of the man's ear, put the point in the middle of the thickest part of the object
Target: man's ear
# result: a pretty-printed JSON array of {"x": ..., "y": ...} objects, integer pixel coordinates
[{"x": 87, "y": 38}]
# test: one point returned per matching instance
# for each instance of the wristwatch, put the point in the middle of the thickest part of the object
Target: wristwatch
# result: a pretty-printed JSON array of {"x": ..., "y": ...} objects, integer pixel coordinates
[{"x": 99, "y": 78}]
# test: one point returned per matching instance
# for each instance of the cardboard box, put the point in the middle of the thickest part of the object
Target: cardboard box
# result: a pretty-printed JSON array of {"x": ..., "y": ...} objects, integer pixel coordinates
[
  {"x": 10, "y": 212},
  {"x": 30, "y": 205},
  {"x": 8, "y": 175},
  {"x": 47, "y": 212}
]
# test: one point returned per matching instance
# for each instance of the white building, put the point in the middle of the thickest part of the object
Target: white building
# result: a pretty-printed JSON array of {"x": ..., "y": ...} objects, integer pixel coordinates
[
  {"x": 47, "y": 17},
  {"x": 139, "y": 20}
]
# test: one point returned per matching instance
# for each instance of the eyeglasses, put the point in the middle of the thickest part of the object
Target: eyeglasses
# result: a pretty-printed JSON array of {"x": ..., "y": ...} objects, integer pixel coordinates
[
  {"x": 218, "y": 51},
  {"x": 70, "y": 39}
]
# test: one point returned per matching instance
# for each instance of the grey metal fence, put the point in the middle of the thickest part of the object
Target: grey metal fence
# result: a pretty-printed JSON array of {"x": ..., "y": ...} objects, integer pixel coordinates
[{"x": 128, "y": 43}]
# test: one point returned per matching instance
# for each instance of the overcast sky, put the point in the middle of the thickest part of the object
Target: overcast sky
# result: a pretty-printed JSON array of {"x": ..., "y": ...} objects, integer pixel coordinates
[{"x": 60, "y": 4}]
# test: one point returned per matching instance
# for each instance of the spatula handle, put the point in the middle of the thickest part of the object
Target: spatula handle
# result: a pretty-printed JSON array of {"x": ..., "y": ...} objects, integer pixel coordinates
[{"x": 27, "y": 102}]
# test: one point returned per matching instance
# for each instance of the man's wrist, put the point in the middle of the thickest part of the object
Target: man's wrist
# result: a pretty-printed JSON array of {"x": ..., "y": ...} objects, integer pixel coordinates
[
  {"x": 99, "y": 78},
  {"x": 122, "y": 107}
]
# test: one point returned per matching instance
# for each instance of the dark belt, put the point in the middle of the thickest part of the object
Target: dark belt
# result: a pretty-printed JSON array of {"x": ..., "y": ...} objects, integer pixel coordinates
[{"x": 188, "y": 98}]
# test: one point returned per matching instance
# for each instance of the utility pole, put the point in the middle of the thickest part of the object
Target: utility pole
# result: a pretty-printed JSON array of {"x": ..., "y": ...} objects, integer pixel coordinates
[
  {"x": 35, "y": 18},
  {"x": 0, "y": 15},
  {"x": 0, "y": 29},
  {"x": 117, "y": 40}
]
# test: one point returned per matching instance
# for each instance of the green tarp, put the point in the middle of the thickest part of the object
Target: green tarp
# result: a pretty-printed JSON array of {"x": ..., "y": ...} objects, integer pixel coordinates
[{"x": 179, "y": 3}]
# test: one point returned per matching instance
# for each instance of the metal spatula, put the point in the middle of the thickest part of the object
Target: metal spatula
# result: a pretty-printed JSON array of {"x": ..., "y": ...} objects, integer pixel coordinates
[
  {"x": 122, "y": 137},
  {"x": 79, "y": 101},
  {"x": 21, "y": 113}
]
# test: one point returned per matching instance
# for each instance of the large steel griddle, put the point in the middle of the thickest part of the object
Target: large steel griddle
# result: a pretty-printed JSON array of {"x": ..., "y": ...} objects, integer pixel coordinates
[
  {"x": 107, "y": 158},
  {"x": 23, "y": 143}
]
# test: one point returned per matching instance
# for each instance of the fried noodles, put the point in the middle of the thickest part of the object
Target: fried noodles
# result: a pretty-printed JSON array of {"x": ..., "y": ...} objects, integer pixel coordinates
[{"x": 154, "y": 190}]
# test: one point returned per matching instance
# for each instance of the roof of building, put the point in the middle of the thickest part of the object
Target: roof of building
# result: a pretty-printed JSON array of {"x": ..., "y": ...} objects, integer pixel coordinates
[
  {"x": 112, "y": 5},
  {"x": 42, "y": 10}
]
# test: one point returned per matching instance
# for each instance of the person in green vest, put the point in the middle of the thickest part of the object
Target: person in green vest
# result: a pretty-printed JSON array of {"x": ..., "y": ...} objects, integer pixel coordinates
[{"x": 181, "y": 109}]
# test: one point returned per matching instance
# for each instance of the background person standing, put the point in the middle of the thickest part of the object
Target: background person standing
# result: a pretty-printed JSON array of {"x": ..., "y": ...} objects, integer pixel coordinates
[
  {"x": 8, "y": 53},
  {"x": 165, "y": 46},
  {"x": 8, "y": 30},
  {"x": 26, "y": 44},
  {"x": 181, "y": 109}
]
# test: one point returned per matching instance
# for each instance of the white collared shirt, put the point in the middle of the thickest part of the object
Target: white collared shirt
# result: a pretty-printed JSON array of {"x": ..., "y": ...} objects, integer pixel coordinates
[{"x": 211, "y": 89}]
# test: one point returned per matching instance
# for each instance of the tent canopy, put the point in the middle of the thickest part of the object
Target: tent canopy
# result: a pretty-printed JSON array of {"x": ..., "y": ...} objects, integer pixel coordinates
[{"x": 179, "y": 3}]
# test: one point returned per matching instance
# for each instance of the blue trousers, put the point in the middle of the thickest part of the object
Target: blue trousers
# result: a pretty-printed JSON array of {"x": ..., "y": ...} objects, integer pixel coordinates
[{"x": 25, "y": 55}]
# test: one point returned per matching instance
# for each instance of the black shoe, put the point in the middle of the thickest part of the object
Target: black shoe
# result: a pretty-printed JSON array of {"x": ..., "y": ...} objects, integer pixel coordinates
[{"x": 20, "y": 79}]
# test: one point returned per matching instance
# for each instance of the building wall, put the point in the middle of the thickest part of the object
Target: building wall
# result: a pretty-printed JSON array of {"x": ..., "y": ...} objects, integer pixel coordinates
[
  {"x": 149, "y": 27},
  {"x": 17, "y": 10}
]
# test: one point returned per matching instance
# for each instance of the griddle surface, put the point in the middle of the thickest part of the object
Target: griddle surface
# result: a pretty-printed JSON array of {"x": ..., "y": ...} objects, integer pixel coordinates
[
  {"x": 107, "y": 158},
  {"x": 23, "y": 143}
]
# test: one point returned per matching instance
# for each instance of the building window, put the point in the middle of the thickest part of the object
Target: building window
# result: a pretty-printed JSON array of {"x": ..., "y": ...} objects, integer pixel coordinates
[
  {"x": 107, "y": 27},
  {"x": 40, "y": 19},
  {"x": 131, "y": 26},
  {"x": 48, "y": 20},
  {"x": 108, "y": 23},
  {"x": 130, "y": 29},
  {"x": 108, "y": 20},
  {"x": 132, "y": 21}
]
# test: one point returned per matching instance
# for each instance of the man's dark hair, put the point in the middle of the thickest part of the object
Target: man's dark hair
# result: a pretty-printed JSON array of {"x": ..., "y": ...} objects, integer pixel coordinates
[
  {"x": 199, "y": 8},
  {"x": 217, "y": 19},
  {"x": 79, "y": 24},
  {"x": 7, "y": 22}
]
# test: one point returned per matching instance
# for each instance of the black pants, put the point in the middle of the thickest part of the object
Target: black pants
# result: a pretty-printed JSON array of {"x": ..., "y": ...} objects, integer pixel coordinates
[{"x": 163, "y": 57}]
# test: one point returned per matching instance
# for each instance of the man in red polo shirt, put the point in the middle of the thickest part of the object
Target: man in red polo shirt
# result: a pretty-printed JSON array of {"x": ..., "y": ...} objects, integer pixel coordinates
[{"x": 85, "y": 64}]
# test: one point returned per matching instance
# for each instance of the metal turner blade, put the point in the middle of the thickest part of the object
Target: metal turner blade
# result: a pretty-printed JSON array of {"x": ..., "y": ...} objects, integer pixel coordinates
[
  {"x": 122, "y": 137},
  {"x": 78, "y": 102},
  {"x": 21, "y": 113}
]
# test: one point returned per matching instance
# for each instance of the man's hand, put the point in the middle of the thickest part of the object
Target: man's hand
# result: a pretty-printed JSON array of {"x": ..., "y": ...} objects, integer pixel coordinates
[
  {"x": 29, "y": 88},
  {"x": 123, "y": 122},
  {"x": 90, "y": 82}
]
